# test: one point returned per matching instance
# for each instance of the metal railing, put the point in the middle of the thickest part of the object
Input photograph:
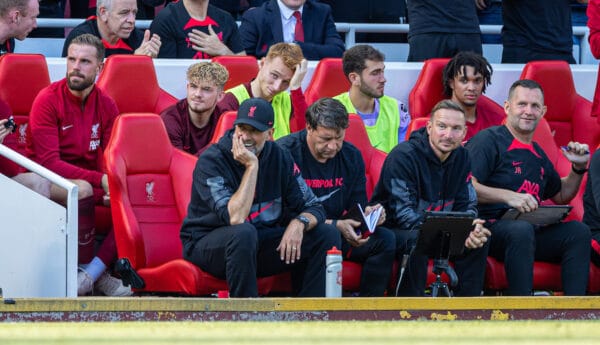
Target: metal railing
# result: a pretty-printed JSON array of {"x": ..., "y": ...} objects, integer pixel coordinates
[
  {"x": 349, "y": 29},
  {"x": 71, "y": 208}
]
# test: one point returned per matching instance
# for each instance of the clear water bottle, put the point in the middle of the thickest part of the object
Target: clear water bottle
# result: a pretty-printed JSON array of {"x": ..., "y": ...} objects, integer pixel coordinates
[{"x": 333, "y": 273}]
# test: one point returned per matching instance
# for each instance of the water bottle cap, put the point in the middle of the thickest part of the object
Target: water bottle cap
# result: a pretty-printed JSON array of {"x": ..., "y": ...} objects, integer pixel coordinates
[{"x": 334, "y": 251}]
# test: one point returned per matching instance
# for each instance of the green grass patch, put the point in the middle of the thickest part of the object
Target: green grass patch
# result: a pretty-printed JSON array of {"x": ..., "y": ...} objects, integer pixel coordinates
[{"x": 309, "y": 332}]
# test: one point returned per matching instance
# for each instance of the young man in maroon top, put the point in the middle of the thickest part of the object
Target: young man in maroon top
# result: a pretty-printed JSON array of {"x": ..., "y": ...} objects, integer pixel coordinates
[
  {"x": 191, "y": 122},
  {"x": 70, "y": 122}
]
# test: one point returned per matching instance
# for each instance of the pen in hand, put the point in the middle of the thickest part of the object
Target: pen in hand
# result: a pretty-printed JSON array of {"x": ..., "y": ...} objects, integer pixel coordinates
[{"x": 567, "y": 149}]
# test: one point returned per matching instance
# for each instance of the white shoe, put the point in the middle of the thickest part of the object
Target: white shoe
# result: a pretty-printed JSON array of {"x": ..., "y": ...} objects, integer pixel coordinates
[
  {"x": 111, "y": 286},
  {"x": 85, "y": 283}
]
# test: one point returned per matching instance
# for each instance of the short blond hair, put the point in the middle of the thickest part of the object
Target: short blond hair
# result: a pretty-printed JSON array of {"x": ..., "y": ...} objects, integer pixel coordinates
[
  {"x": 290, "y": 54},
  {"x": 208, "y": 71}
]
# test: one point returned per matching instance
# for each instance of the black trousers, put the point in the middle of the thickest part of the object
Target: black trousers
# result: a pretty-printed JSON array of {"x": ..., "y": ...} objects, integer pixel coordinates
[
  {"x": 377, "y": 257},
  {"x": 512, "y": 54},
  {"x": 519, "y": 244},
  {"x": 469, "y": 267},
  {"x": 596, "y": 251},
  {"x": 441, "y": 45},
  {"x": 241, "y": 253}
]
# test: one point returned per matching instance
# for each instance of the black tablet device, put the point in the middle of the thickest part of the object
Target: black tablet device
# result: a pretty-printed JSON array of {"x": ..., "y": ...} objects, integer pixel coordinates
[
  {"x": 443, "y": 234},
  {"x": 543, "y": 215}
]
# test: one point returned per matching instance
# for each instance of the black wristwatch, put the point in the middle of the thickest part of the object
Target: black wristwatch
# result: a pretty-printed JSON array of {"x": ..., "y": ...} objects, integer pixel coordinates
[
  {"x": 304, "y": 220},
  {"x": 578, "y": 171}
]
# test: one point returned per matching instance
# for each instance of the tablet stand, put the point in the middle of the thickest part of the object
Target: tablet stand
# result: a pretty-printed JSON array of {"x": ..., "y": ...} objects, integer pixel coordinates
[
  {"x": 441, "y": 236},
  {"x": 440, "y": 265}
]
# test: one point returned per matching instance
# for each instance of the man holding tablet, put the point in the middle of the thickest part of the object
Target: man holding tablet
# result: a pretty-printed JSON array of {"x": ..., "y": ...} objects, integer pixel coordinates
[
  {"x": 510, "y": 170},
  {"x": 432, "y": 172}
]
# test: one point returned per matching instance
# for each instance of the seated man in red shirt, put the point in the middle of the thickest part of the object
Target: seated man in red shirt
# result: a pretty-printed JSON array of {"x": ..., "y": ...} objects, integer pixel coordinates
[
  {"x": 69, "y": 125},
  {"x": 191, "y": 122},
  {"x": 465, "y": 78}
]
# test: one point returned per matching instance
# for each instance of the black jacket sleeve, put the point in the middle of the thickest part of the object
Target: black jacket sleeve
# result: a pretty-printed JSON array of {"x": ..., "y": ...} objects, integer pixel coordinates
[{"x": 397, "y": 190}]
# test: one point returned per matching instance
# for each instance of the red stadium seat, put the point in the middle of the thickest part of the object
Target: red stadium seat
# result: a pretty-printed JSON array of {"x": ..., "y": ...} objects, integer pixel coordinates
[
  {"x": 241, "y": 69},
  {"x": 150, "y": 188},
  {"x": 416, "y": 123},
  {"x": 131, "y": 81},
  {"x": 373, "y": 158},
  {"x": 22, "y": 76},
  {"x": 428, "y": 89},
  {"x": 569, "y": 114},
  {"x": 224, "y": 124},
  {"x": 328, "y": 80},
  {"x": 543, "y": 136},
  {"x": 546, "y": 276}
]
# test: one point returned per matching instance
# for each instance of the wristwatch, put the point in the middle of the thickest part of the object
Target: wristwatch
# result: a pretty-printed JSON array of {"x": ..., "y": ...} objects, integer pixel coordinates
[
  {"x": 304, "y": 220},
  {"x": 578, "y": 171}
]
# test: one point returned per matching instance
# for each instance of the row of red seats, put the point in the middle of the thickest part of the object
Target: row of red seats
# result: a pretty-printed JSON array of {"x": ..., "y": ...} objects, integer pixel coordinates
[
  {"x": 328, "y": 80},
  {"x": 569, "y": 114}
]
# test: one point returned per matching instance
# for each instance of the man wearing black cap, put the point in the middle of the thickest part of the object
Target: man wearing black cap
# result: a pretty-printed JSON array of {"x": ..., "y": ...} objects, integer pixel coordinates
[{"x": 252, "y": 215}]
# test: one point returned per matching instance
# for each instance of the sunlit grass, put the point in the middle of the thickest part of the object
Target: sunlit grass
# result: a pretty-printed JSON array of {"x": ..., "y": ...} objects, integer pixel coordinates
[{"x": 309, "y": 332}]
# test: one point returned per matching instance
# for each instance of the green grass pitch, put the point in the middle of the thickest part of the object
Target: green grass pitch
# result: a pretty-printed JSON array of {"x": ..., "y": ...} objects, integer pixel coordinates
[{"x": 309, "y": 332}]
